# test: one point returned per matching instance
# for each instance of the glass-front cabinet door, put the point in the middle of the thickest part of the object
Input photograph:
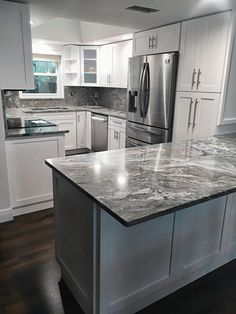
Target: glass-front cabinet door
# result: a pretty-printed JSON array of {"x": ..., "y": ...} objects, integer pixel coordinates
[{"x": 89, "y": 66}]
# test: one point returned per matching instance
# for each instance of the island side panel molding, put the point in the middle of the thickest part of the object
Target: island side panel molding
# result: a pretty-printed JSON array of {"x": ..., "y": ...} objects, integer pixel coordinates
[
  {"x": 76, "y": 234},
  {"x": 229, "y": 234},
  {"x": 134, "y": 263},
  {"x": 197, "y": 236}
]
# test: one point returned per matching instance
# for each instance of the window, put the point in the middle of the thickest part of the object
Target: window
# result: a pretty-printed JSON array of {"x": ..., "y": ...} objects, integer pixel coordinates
[{"x": 47, "y": 78}]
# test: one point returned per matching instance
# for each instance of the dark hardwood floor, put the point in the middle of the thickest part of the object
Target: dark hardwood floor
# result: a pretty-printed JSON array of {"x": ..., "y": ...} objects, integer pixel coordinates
[{"x": 30, "y": 278}]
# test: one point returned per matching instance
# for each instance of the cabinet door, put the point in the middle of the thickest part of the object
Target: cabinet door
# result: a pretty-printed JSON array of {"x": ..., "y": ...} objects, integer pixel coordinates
[
  {"x": 65, "y": 121},
  {"x": 183, "y": 117},
  {"x": 81, "y": 130},
  {"x": 142, "y": 43},
  {"x": 29, "y": 178},
  {"x": 16, "y": 67},
  {"x": 105, "y": 65},
  {"x": 206, "y": 108},
  {"x": 190, "y": 38},
  {"x": 211, "y": 56},
  {"x": 89, "y": 66},
  {"x": 70, "y": 138},
  {"x": 113, "y": 138},
  {"x": 120, "y": 54},
  {"x": 166, "y": 39}
]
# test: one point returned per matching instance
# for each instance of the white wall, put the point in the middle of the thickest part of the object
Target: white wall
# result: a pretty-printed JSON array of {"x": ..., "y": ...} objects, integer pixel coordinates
[{"x": 4, "y": 187}]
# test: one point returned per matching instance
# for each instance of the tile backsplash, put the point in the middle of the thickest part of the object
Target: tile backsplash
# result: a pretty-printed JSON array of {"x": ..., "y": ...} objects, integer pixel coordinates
[{"x": 114, "y": 98}]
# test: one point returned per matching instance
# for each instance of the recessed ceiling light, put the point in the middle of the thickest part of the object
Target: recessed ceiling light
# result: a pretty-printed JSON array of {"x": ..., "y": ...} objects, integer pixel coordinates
[
  {"x": 31, "y": 22},
  {"x": 141, "y": 9}
]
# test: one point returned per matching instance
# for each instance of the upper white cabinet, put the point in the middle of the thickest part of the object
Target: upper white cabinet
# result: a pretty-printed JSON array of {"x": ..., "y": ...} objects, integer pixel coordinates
[
  {"x": 71, "y": 57},
  {"x": 203, "y": 53},
  {"x": 158, "y": 40},
  {"x": 89, "y": 66},
  {"x": 114, "y": 64},
  {"x": 16, "y": 66},
  {"x": 195, "y": 115}
]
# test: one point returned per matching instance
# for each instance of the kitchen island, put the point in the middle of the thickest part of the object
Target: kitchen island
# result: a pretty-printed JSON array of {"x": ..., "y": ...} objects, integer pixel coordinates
[{"x": 137, "y": 224}]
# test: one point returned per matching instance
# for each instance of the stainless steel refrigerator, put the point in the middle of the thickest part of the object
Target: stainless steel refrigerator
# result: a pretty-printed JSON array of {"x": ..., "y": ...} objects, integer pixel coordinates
[{"x": 151, "y": 98}]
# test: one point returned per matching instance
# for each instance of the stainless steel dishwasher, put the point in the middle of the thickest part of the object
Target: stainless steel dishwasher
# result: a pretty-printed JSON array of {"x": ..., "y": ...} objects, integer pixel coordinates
[{"x": 99, "y": 132}]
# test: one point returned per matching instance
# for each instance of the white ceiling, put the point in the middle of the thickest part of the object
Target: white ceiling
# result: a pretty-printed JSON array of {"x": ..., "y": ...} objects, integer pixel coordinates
[{"x": 113, "y": 12}]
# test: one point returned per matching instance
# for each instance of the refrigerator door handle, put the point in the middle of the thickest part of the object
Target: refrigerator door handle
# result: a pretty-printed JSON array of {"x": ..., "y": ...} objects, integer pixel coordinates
[
  {"x": 141, "y": 90},
  {"x": 146, "y": 89}
]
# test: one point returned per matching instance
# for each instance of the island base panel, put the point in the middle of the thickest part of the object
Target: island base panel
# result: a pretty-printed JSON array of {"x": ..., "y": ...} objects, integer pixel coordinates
[{"x": 111, "y": 268}]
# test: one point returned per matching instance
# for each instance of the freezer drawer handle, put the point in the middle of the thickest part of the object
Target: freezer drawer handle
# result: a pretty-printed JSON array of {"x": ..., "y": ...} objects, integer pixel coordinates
[
  {"x": 190, "y": 113},
  {"x": 195, "y": 113},
  {"x": 144, "y": 130}
]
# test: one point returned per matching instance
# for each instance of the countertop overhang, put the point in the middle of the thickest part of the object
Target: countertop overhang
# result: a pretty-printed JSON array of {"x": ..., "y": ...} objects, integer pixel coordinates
[{"x": 138, "y": 184}]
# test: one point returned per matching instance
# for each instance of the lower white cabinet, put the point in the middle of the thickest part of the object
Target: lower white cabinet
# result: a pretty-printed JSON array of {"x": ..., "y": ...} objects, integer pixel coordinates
[
  {"x": 195, "y": 115},
  {"x": 30, "y": 180},
  {"x": 116, "y": 133},
  {"x": 65, "y": 121},
  {"x": 84, "y": 129}
]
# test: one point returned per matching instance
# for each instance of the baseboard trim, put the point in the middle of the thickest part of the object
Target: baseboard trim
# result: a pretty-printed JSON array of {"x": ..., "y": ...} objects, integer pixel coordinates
[
  {"x": 32, "y": 208},
  {"x": 6, "y": 215}
]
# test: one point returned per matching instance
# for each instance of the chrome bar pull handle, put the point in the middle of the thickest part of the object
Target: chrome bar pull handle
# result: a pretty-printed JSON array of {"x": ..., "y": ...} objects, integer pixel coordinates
[
  {"x": 190, "y": 112},
  {"x": 195, "y": 113},
  {"x": 198, "y": 77},
  {"x": 193, "y": 78}
]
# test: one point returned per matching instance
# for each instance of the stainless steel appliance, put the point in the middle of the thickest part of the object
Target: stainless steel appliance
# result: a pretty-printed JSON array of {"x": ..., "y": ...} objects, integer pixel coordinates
[
  {"x": 99, "y": 132},
  {"x": 151, "y": 97}
]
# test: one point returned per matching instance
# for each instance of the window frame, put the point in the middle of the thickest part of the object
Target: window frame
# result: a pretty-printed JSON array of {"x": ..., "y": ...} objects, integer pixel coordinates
[{"x": 58, "y": 74}]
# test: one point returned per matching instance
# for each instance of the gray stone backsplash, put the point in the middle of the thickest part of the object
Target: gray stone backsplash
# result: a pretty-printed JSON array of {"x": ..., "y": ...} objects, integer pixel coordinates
[{"x": 113, "y": 98}]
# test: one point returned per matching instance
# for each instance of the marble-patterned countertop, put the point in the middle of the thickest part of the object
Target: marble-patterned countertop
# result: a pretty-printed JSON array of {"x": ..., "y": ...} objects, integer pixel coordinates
[
  {"x": 95, "y": 109},
  {"x": 138, "y": 184},
  {"x": 21, "y": 127}
]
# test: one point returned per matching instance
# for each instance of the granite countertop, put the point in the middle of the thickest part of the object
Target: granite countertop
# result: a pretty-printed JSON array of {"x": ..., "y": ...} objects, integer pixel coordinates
[
  {"x": 18, "y": 127},
  {"x": 95, "y": 109},
  {"x": 138, "y": 184}
]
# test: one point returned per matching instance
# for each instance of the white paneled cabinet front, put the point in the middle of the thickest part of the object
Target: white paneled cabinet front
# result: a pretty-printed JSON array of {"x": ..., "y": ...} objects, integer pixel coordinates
[
  {"x": 203, "y": 53},
  {"x": 16, "y": 66},
  {"x": 114, "y": 64},
  {"x": 158, "y": 40},
  {"x": 81, "y": 129},
  {"x": 65, "y": 121},
  {"x": 116, "y": 133},
  {"x": 29, "y": 178},
  {"x": 195, "y": 115}
]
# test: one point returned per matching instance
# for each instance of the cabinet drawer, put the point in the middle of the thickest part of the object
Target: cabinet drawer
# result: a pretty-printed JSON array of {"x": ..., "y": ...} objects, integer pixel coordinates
[{"x": 121, "y": 123}]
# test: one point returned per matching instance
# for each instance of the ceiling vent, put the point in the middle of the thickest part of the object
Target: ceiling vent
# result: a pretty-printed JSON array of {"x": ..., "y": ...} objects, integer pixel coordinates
[{"x": 141, "y": 9}]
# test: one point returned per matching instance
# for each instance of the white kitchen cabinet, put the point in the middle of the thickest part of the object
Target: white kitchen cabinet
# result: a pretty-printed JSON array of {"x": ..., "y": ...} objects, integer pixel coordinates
[
  {"x": 90, "y": 66},
  {"x": 65, "y": 121},
  {"x": 116, "y": 133},
  {"x": 16, "y": 63},
  {"x": 195, "y": 115},
  {"x": 71, "y": 58},
  {"x": 30, "y": 180},
  {"x": 158, "y": 40},
  {"x": 203, "y": 52},
  {"x": 114, "y": 64},
  {"x": 84, "y": 129}
]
